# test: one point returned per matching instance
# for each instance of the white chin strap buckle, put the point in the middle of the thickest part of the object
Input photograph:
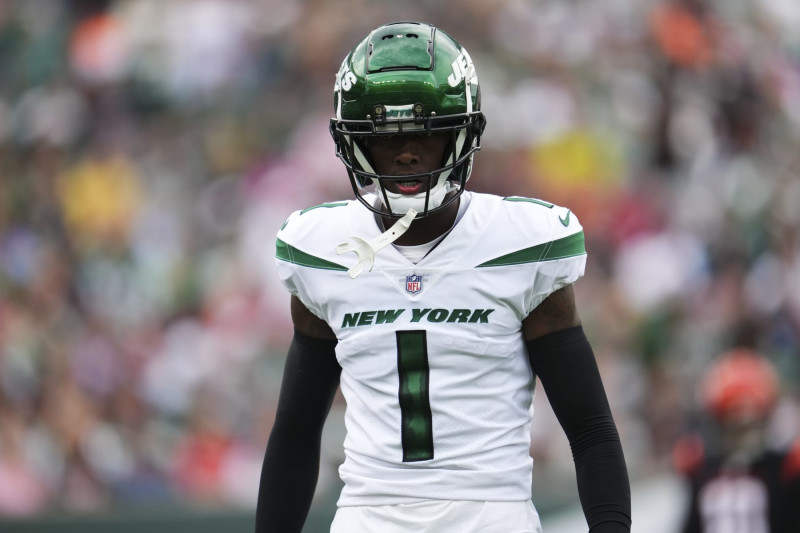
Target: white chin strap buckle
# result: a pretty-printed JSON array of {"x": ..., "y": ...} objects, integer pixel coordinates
[{"x": 366, "y": 250}]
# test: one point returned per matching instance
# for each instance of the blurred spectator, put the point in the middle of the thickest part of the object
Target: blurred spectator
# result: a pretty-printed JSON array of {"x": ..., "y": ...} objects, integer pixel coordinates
[{"x": 22, "y": 491}]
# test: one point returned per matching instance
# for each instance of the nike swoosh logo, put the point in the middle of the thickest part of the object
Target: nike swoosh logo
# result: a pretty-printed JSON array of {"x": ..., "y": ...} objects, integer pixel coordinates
[{"x": 565, "y": 220}]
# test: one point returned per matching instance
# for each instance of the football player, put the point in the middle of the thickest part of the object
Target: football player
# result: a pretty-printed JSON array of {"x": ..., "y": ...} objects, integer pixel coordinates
[
  {"x": 434, "y": 309},
  {"x": 737, "y": 482}
]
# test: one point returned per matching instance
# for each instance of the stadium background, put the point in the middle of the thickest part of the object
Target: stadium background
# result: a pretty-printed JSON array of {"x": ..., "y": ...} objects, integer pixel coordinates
[{"x": 149, "y": 150}]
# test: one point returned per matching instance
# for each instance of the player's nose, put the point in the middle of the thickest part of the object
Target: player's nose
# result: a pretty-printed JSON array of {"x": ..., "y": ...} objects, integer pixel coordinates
[
  {"x": 408, "y": 153},
  {"x": 407, "y": 158}
]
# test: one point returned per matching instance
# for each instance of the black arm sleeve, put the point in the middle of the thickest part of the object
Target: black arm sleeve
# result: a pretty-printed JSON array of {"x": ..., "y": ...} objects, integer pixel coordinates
[
  {"x": 291, "y": 463},
  {"x": 565, "y": 364}
]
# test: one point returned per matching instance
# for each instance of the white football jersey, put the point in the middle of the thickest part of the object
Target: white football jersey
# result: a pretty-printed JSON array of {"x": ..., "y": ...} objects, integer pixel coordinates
[{"x": 434, "y": 367}]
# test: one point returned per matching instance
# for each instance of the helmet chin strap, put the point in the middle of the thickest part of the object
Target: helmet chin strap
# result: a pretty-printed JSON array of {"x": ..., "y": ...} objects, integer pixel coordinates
[{"x": 366, "y": 250}]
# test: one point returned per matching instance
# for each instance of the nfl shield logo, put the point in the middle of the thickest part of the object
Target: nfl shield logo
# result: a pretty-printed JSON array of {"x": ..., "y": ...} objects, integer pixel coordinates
[{"x": 413, "y": 283}]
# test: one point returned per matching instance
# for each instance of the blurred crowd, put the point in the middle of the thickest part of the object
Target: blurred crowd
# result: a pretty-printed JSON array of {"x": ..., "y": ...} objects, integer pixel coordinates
[{"x": 150, "y": 150}]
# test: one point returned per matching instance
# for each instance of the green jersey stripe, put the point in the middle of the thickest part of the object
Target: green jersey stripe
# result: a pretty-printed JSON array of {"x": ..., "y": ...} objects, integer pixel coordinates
[
  {"x": 328, "y": 205},
  {"x": 568, "y": 246},
  {"x": 529, "y": 200},
  {"x": 287, "y": 252}
]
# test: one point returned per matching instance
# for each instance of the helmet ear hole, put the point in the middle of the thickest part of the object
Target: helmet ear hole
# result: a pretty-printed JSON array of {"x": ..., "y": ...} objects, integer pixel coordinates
[
  {"x": 478, "y": 124},
  {"x": 336, "y": 135}
]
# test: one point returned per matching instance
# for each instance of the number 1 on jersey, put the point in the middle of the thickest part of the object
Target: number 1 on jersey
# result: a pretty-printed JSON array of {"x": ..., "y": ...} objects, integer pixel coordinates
[{"x": 415, "y": 406}]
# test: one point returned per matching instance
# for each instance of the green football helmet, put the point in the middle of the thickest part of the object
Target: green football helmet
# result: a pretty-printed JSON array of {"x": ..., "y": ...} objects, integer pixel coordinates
[{"x": 407, "y": 78}]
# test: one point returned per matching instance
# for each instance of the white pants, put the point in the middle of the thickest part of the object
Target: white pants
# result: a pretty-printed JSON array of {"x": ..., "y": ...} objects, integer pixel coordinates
[{"x": 439, "y": 516}]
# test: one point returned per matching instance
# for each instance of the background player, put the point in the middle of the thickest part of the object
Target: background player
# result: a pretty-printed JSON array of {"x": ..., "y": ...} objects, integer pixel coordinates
[{"x": 738, "y": 482}]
